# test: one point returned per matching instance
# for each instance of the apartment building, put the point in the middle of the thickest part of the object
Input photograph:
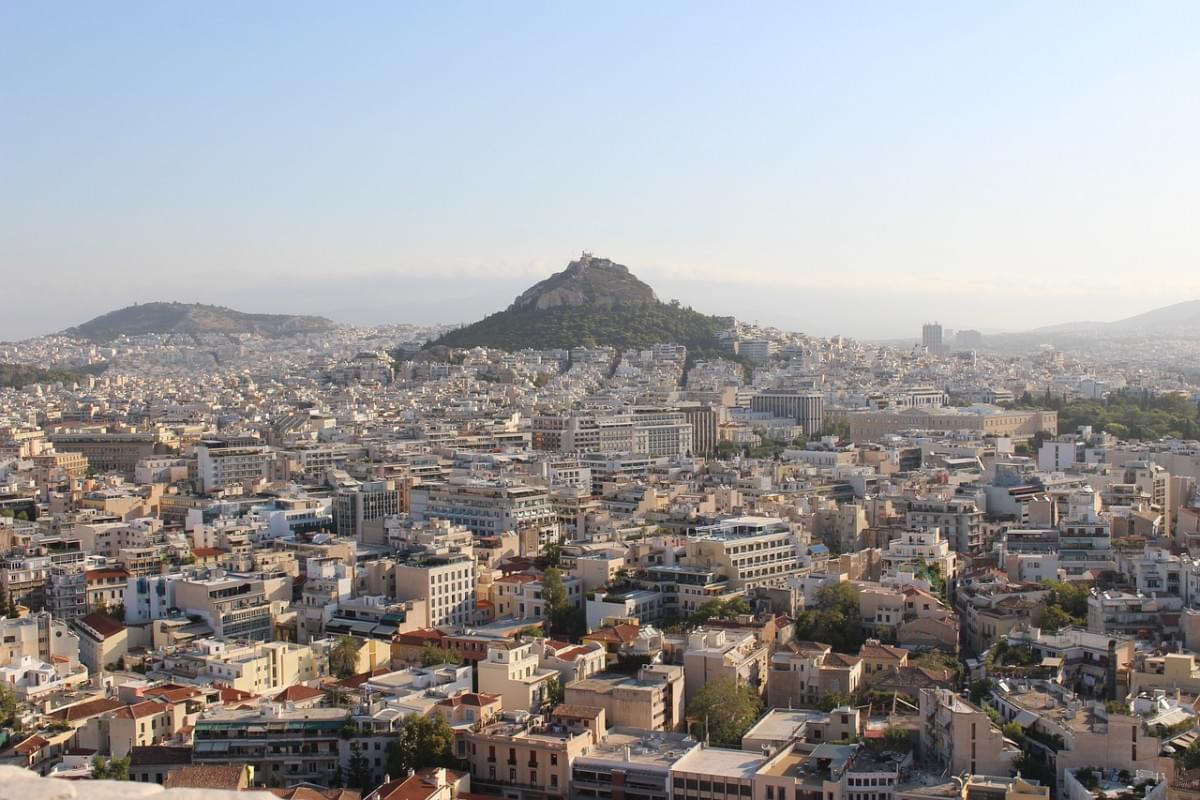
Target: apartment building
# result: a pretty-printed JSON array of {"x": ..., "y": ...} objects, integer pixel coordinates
[
  {"x": 748, "y": 551},
  {"x": 282, "y": 746},
  {"x": 511, "y": 672},
  {"x": 446, "y": 584},
  {"x": 220, "y": 464},
  {"x": 713, "y": 655},
  {"x": 255, "y": 667},
  {"x": 359, "y": 512},
  {"x": 806, "y": 408},
  {"x": 488, "y": 509},
  {"x": 652, "y": 700},
  {"x": 529, "y": 757},
  {"x": 958, "y": 736},
  {"x": 235, "y": 606}
]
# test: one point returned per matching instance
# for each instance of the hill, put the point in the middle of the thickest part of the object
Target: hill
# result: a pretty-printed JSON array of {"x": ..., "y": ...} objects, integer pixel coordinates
[
  {"x": 1178, "y": 317},
  {"x": 146, "y": 318},
  {"x": 14, "y": 376},
  {"x": 593, "y": 302}
]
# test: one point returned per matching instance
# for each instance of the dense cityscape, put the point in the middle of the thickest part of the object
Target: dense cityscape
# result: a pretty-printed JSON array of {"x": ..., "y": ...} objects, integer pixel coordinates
[{"x": 254, "y": 552}]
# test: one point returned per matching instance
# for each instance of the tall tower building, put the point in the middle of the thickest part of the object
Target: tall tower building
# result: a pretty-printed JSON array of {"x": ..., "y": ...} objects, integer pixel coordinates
[{"x": 931, "y": 336}]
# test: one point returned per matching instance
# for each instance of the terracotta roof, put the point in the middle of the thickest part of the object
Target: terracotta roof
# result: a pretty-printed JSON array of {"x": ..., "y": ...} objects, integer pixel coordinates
[
  {"x": 298, "y": 694},
  {"x": 419, "y": 636},
  {"x": 573, "y": 653},
  {"x": 106, "y": 572},
  {"x": 354, "y": 681},
  {"x": 102, "y": 624},
  {"x": 882, "y": 651},
  {"x": 207, "y": 776},
  {"x": 471, "y": 699},
  {"x": 576, "y": 711},
  {"x": 415, "y": 787},
  {"x": 85, "y": 710},
  {"x": 622, "y": 633},
  {"x": 145, "y": 708},
  {"x": 306, "y": 792},
  {"x": 231, "y": 695},
  {"x": 517, "y": 578},
  {"x": 207, "y": 552},
  {"x": 173, "y": 694},
  {"x": 31, "y": 745}
]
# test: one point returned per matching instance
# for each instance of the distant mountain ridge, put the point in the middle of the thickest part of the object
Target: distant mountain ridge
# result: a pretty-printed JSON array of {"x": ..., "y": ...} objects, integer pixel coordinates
[
  {"x": 593, "y": 302},
  {"x": 166, "y": 318},
  {"x": 1184, "y": 317}
]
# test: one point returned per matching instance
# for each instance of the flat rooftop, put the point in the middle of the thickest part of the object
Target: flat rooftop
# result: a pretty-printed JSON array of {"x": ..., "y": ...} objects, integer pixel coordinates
[
  {"x": 657, "y": 748},
  {"x": 718, "y": 761},
  {"x": 782, "y": 723}
]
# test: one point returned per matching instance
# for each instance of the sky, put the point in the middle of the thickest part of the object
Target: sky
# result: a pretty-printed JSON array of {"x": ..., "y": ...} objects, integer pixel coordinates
[{"x": 852, "y": 168}]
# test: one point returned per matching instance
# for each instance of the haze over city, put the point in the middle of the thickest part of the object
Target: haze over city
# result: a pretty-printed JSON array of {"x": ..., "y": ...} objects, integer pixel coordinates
[{"x": 825, "y": 169}]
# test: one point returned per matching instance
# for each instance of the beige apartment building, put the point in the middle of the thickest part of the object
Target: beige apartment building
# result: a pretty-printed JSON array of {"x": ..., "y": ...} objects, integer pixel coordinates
[
  {"x": 714, "y": 655},
  {"x": 531, "y": 759},
  {"x": 511, "y": 672},
  {"x": 651, "y": 700}
]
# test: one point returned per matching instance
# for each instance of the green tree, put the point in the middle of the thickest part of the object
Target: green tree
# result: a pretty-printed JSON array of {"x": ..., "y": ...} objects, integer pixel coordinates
[
  {"x": 343, "y": 656},
  {"x": 564, "y": 617},
  {"x": 359, "y": 775},
  {"x": 718, "y": 609},
  {"x": 432, "y": 655},
  {"x": 831, "y": 700},
  {"x": 1014, "y": 730},
  {"x": 725, "y": 710},
  {"x": 8, "y": 706},
  {"x": 554, "y": 693},
  {"x": 834, "y": 619},
  {"x": 552, "y": 553},
  {"x": 981, "y": 689},
  {"x": 421, "y": 742},
  {"x": 1055, "y": 619},
  {"x": 1190, "y": 758},
  {"x": 116, "y": 769}
]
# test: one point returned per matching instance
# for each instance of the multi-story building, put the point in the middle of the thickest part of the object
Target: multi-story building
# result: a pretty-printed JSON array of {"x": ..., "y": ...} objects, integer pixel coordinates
[
  {"x": 359, "y": 512},
  {"x": 651, "y": 700},
  {"x": 511, "y": 672},
  {"x": 117, "y": 452},
  {"x": 487, "y": 509},
  {"x": 529, "y": 757},
  {"x": 959, "y": 519},
  {"x": 748, "y": 551},
  {"x": 256, "y": 667},
  {"x": 958, "y": 736},
  {"x": 282, "y": 746},
  {"x": 736, "y": 656},
  {"x": 445, "y": 583},
  {"x": 234, "y": 606},
  {"x": 806, "y": 408},
  {"x": 220, "y": 464}
]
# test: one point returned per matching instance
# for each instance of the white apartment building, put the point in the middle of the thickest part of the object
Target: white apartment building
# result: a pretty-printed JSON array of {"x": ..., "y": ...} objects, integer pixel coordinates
[
  {"x": 748, "y": 551},
  {"x": 916, "y": 549},
  {"x": 219, "y": 464}
]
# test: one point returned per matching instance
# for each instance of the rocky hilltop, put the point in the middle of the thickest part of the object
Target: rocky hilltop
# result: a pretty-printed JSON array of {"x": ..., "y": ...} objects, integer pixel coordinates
[
  {"x": 589, "y": 281},
  {"x": 167, "y": 318},
  {"x": 593, "y": 302}
]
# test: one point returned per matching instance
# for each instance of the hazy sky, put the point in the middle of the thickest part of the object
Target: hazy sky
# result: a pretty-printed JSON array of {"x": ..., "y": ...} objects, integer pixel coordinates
[{"x": 843, "y": 167}]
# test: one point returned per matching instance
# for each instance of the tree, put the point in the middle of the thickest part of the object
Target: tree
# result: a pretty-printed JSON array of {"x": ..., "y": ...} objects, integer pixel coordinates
[
  {"x": 1190, "y": 758},
  {"x": 359, "y": 775},
  {"x": 343, "y": 657},
  {"x": 554, "y": 692},
  {"x": 432, "y": 655},
  {"x": 421, "y": 742},
  {"x": 981, "y": 689},
  {"x": 718, "y": 609},
  {"x": 564, "y": 618},
  {"x": 1014, "y": 730},
  {"x": 8, "y": 706},
  {"x": 834, "y": 620},
  {"x": 116, "y": 769},
  {"x": 552, "y": 553},
  {"x": 1055, "y": 619},
  {"x": 831, "y": 700},
  {"x": 724, "y": 711}
]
